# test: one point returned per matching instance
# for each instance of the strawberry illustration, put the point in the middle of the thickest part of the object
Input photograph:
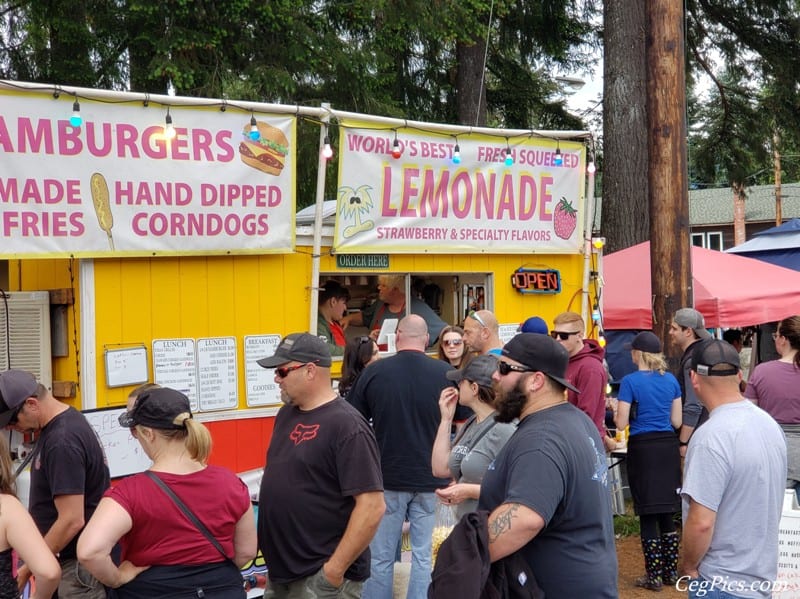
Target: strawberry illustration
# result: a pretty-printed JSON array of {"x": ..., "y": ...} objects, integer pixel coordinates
[{"x": 565, "y": 219}]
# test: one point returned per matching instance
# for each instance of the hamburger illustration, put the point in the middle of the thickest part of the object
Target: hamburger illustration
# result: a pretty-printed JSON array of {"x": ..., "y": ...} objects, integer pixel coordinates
[{"x": 266, "y": 154}]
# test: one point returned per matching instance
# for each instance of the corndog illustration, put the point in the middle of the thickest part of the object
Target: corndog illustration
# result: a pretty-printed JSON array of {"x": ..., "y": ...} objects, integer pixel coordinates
[{"x": 102, "y": 205}]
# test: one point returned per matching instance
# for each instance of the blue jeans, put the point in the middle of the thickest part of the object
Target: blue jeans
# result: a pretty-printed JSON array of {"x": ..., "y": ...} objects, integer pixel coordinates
[
  {"x": 421, "y": 510},
  {"x": 701, "y": 588}
]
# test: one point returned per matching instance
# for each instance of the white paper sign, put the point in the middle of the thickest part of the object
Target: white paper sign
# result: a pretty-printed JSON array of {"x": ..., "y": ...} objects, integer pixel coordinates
[
  {"x": 216, "y": 373},
  {"x": 175, "y": 366},
  {"x": 262, "y": 390},
  {"x": 506, "y": 332}
]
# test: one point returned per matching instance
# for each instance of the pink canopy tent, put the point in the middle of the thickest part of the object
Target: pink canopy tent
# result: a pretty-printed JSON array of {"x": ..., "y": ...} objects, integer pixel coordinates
[{"x": 729, "y": 290}]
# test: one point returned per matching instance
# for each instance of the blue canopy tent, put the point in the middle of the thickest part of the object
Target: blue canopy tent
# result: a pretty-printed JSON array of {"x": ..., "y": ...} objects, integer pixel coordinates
[{"x": 779, "y": 245}]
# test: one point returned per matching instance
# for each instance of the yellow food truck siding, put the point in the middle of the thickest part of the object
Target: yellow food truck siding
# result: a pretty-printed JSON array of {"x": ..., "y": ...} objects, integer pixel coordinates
[{"x": 138, "y": 300}]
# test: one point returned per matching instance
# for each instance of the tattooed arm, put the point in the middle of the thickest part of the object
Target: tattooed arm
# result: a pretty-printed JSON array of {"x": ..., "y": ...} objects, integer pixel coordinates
[{"x": 511, "y": 526}]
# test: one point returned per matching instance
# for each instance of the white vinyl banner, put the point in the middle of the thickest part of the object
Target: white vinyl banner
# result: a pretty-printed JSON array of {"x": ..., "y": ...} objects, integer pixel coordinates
[
  {"x": 116, "y": 186},
  {"x": 414, "y": 197}
]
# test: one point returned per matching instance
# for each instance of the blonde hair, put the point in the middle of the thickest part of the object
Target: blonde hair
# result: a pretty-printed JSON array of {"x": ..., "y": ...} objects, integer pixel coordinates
[
  {"x": 655, "y": 362},
  {"x": 196, "y": 437},
  {"x": 569, "y": 317},
  {"x": 393, "y": 281},
  {"x": 7, "y": 482}
]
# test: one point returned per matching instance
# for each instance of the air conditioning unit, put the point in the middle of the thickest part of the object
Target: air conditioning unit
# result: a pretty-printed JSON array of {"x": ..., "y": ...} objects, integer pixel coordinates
[{"x": 25, "y": 334}]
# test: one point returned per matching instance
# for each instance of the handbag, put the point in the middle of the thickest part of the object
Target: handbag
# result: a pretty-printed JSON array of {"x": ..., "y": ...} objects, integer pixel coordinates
[{"x": 188, "y": 513}]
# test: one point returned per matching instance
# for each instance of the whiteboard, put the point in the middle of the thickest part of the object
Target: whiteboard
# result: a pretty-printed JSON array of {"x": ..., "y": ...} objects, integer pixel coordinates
[
  {"x": 124, "y": 454},
  {"x": 126, "y": 366}
]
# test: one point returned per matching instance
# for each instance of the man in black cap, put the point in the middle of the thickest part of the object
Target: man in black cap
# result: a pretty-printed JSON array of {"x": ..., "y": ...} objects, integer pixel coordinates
[
  {"x": 69, "y": 474},
  {"x": 733, "y": 485},
  {"x": 547, "y": 490},
  {"x": 321, "y": 497}
]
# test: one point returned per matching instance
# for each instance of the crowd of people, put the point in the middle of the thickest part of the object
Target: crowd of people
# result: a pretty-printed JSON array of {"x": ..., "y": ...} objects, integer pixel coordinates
[{"x": 511, "y": 435}]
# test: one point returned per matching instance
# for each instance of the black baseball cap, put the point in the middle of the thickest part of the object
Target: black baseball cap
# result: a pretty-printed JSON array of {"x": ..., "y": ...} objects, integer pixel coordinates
[
  {"x": 299, "y": 347},
  {"x": 540, "y": 353},
  {"x": 161, "y": 408},
  {"x": 715, "y": 357},
  {"x": 647, "y": 342},
  {"x": 15, "y": 387},
  {"x": 478, "y": 370}
]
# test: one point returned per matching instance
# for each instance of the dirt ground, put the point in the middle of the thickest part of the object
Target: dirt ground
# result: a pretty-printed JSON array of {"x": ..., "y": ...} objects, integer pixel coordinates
[{"x": 631, "y": 566}]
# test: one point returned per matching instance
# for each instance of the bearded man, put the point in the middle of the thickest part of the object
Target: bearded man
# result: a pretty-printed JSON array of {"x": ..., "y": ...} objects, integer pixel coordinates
[{"x": 547, "y": 491}]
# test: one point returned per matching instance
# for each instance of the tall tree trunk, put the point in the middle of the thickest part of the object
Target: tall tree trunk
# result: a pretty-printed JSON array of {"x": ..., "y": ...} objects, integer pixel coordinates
[
  {"x": 470, "y": 86},
  {"x": 625, "y": 220},
  {"x": 739, "y": 196}
]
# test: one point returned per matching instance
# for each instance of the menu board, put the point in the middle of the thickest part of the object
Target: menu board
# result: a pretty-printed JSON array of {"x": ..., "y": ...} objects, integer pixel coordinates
[
  {"x": 262, "y": 390},
  {"x": 175, "y": 366},
  {"x": 506, "y": 332},
  {"x": 216, "y": 373}
]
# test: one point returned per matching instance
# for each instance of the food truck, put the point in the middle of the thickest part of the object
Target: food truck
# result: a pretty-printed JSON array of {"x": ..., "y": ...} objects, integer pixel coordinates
[{"x": 155, "y": 239}]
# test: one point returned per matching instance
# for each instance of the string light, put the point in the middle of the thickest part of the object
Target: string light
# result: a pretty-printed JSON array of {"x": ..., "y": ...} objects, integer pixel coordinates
[
  {"x": 327, "y": 150},
  {"x": 255, "y": 134},
  {"x": 558, "y": 160},
  {"x": 397, "y": 151},
  {"x": 591, "y": 168},
  {"x": 456, "y": 154},
  {"x": 75, "y": 120},
  {"x": 169, "y": 130},
  {"x": 509, "y": 156}
]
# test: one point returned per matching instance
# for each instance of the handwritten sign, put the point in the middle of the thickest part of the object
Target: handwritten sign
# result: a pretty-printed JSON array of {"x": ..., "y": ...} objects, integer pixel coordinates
[
  {"x": 124, "y": 453},
  {"x": 261, "y": 389},
  {"x": 175, "y": 366},
  {"x": 216, "y": 373},
  {"x": 126, "y": 366}
]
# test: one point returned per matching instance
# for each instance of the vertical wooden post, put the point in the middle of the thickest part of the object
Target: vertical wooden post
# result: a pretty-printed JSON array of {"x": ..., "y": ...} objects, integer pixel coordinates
[
  {"x": 776, "y": 153},
  {"x": 670, "y": 257}
]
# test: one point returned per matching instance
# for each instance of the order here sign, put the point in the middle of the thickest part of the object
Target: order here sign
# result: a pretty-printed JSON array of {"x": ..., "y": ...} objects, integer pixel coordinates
[
  {"x": 116, "y": 185},
  {"x": 411, "y": 196}
]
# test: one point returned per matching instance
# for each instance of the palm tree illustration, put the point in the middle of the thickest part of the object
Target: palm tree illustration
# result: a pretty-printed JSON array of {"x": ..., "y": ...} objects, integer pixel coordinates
[{"x": 353, "y": 204}]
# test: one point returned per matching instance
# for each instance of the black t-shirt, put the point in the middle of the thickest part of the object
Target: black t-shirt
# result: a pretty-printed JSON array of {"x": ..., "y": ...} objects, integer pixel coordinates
[
  {"x": 69, "y": 461},
  {"x": 317, "y": 462},
  {"x": 400, "y": 395},
  {"x": 555, "y": 464}
]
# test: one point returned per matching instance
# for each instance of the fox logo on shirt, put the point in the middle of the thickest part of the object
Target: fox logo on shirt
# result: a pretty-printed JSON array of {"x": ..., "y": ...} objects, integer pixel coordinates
[{"x": 302, "y": 433}]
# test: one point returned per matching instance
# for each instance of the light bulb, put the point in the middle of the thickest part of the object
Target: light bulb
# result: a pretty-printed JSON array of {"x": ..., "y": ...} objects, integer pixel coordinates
[
  {"x": 254, "y": 134},
  {"x": 396, "y": 150},
  {"x": 601, "y": 341},
  {"x": 169, "y": 130},
  {"x": 75, "y": 120},
  {"x": 327, "y": 150},
  {"x": 456, "y": 155},
  {"x": 559, "y": 159},
  {"x": 591, "y": 168},
  {"x": 509, "y": 157},
  {"x": 599, "y": 242}
]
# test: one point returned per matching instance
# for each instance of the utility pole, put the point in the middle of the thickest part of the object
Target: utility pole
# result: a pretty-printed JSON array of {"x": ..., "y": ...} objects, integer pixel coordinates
[
  {"x": 670, "y": 257},
  {"x": 776, "y": 154}
]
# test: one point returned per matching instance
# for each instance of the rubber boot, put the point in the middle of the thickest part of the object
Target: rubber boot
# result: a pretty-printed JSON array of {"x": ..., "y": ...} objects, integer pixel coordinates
[
  {"x": 653, "y": 564},
  {"x": 669, "y": 551}
]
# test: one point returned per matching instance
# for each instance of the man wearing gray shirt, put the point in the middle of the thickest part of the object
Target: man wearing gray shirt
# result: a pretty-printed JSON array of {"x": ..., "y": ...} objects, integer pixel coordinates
[{"x": 733, "y": 486}]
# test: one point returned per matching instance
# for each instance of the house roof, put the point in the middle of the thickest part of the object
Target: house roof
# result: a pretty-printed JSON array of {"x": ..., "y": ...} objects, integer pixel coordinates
[{"x": 714, "y": 206}]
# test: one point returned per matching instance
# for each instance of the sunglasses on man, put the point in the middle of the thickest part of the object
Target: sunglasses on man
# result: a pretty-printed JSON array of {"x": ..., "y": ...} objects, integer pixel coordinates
[{"x": 563, "y": 335}]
